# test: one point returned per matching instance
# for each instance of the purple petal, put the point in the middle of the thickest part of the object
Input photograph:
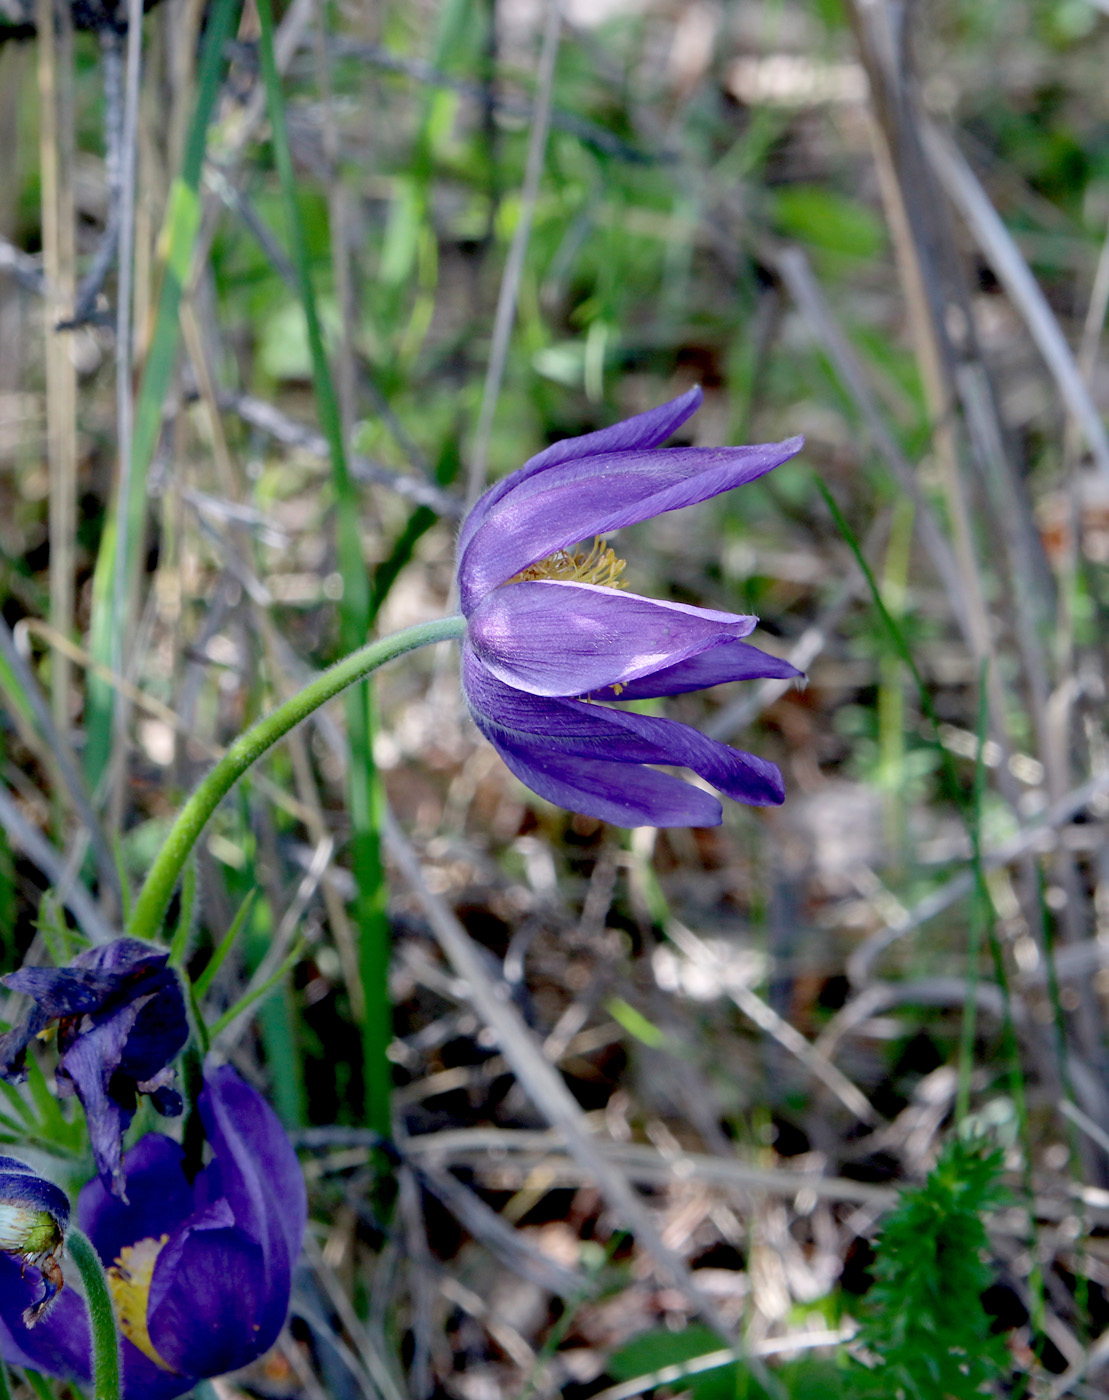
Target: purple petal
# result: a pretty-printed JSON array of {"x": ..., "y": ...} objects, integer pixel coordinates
[
  {"x": 621, "y": 793},
  {"x": 164, "y": 1097},
  {"x": 21, "y": 1186},
  {"x": 123, "y": 959},
  {"x": 62, "y": 991},
  {"x": 579, "y": 499},
  {"x": 213, "y": 1306},
  {"x": 619, "y": 737},
  {"x": 159, "y": 1198},
  {"x": 571, "y": 638},
  {"x": 142, "y": 1380},
  {"x": 644, "y": 430},
  {"x": 91, "y": 979},
  {"x": 59, "y": 1342},
  {"x": 744, "y": 777},
  {"x": 160, "y": 1029},
  {"x": 88, "y": 1066},
  {"x": 13, "y": 1044},
  {"x": 730, "y": 661},
  {"x": 258, "y": 1169}
]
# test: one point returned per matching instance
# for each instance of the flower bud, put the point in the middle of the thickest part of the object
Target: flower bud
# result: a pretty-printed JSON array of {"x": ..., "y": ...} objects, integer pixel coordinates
[{"x": 34, "y": 1215}]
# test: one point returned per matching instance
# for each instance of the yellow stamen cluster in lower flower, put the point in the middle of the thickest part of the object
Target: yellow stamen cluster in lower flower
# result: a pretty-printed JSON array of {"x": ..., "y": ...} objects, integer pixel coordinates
[
  {"x": 129, "y": 1281},
  {"x": 599, "y": 566}
]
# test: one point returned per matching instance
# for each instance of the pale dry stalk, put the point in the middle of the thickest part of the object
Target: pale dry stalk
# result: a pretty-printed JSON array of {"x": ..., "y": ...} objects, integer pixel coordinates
[{"x": 55, "y": 80}]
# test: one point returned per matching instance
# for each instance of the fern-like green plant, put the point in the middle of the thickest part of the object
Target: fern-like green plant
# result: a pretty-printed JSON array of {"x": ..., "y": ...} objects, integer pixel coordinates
[{"x": 923, "y": 1321}]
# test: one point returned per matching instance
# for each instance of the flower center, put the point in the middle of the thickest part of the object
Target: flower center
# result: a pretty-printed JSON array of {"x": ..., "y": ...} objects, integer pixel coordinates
[
  {"x": 599, "y": 566},
  {"x": 129, "y": 1284}
]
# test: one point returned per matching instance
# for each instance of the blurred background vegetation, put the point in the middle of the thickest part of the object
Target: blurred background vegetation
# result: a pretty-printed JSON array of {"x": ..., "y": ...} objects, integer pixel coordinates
[{"x": 277, "y": 292}]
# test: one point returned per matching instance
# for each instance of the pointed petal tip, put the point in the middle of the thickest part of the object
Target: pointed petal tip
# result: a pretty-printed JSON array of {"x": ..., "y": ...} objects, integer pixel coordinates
[
  {"x": 692, "y": 399},
  {"x": 787, "y": 447}
]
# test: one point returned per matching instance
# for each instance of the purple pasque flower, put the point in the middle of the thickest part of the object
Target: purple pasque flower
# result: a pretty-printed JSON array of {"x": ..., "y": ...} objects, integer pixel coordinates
[
  {"x": 200, "y": 1269},
  {"x": 549, "y": 632},
  {"x": 34, "y": 1216},
  {"x": 121, "y": 1022}
]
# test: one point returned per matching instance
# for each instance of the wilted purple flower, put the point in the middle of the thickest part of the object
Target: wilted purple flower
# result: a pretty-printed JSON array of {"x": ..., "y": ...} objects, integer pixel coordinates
[
  {"x": 200, "y": 1270},
  {"x": 121, "y": 1021},
  {"x": 548, "y": 629},
  {"x": 34, "y": 1216}
]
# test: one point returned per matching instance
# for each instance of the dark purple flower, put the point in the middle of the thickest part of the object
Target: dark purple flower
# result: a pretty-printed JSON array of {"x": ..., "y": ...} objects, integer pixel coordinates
[
  {"x": 121, "y": 1022},
  {"x": 200, "y": 1271},
  {"x": 548, "y": 629},
  {"x": 34, "y": 1216}
]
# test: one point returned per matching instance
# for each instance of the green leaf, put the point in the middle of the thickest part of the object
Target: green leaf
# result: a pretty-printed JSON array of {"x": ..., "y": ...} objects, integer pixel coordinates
[
  {"x": 654, "y": 1351},
  {"x": 829, "y": 221}
]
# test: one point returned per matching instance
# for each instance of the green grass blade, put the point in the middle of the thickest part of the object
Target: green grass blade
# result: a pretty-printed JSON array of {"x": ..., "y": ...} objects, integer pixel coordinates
[
  {"x": 179, "y": 947},
  {"x": 182, "y": 223},
  {"x": 216, "y": 961},
  {"x": 39, "y": 1384},
  {"x": 291, "y": 960},
  {"x": 50, "y": 1114},
  {"x": 15, "y": 1098},
  {"x": 365, "y": 795},
  {"x": 979, "y": 914}
]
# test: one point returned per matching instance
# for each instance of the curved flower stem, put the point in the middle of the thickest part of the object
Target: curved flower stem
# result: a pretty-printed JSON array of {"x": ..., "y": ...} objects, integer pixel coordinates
[
  {"x": 102, "y": 1320},
  {"x": 153, "y": 900}
]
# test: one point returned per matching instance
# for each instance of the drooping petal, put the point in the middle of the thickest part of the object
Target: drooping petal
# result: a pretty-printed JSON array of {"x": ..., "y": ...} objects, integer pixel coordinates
[
  {"x": 553, "y": 638},
  {"x": 59, "y": 1342},
  {"x": 87, "y": 1069},
  {"x": 14, "y": 1043},
  {"x": 115, "y": 970},
  {"x": 122, "y": 1021},
  {"x": 159, "y": 1198},
  {"x": 624, "y": 794},
  {"x": 744, "y": 777},
  {"x": 212, "y": 1307},
  {"x": 593, "y": 496},
  {"x": 643, "y": 431},
  {"x": 620, "y": 738},
  {"x": 730, "y": 661}
]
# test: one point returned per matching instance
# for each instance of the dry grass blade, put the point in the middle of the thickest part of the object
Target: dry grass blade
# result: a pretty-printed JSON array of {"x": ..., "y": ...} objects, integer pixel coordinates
[
  {"x": 547, "y": 1089},
  {"x": 26, "y": 270},
  {"x": 57, "y": 751},
  {"x": 55, "y": 74},
  {"x": 269, "y": 419},
  {"x": 370, "y": 1358},
  {"x": 505, "y": 1150},
  {"x": 507, "y": 1244},
  {"x": 1039, "y": 835},
  {"x": 1001, "y": 252},
  {"x": 797, "y": 274},
  {"x": 768, "y": 1020},
  {"x": 932, "y": 285},
  {"x": 67, "y": 886},
  {"x": 514, "y": 266}
]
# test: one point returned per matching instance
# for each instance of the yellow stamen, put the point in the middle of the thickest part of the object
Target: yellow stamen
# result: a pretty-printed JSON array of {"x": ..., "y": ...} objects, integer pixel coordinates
[
  {"x": 129, "y": 1281},
  {"x": 599, "y": 566}
]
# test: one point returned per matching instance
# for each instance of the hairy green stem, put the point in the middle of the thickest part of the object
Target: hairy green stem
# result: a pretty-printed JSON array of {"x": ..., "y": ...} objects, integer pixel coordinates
[
  {"x": 153, "y": 901},
  {"x": 102, "y": 1320}
]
